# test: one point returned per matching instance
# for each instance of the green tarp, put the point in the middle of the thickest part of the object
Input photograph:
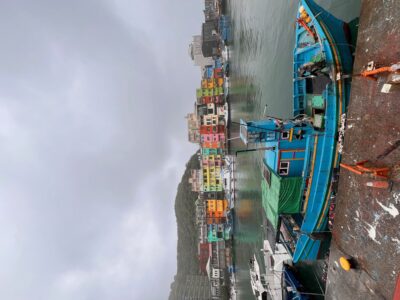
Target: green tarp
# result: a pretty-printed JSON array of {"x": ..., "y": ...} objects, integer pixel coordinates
[{"x": 281, "y": 196}]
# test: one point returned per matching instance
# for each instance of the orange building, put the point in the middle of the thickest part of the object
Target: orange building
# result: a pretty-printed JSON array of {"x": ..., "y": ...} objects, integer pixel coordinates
[
  {"x": 216, "y": 211},
  {"x": 217, "y": 208},
  {"x": 213, "y": 145}
]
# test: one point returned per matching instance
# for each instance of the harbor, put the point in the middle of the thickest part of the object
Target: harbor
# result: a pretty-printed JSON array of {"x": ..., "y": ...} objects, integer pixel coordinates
[{"x": 299, "y": 170}]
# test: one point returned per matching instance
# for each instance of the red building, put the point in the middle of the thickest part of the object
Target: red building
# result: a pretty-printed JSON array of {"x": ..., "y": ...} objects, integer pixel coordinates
[
  {"x": 210, "y": 99},
  {"x": 204, "y": 129},
  {"x": 203, "y": 255},
  {"x": 218, "y": 73}
]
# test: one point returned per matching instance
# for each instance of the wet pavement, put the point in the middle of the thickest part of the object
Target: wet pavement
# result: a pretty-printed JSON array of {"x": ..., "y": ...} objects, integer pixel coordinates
[{"x": 367, "y": 219}]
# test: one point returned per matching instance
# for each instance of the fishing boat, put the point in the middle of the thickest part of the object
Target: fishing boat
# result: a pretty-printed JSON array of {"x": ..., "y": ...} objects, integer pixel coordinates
[{"x": 302, "y": 154}]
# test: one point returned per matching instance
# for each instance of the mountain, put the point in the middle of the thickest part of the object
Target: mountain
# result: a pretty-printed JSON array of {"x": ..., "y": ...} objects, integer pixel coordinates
[{"x": 187, "y": 276}]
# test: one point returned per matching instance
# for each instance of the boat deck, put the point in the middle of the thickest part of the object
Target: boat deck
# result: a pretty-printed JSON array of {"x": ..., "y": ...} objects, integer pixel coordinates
[{"x": 366, "y": 222}]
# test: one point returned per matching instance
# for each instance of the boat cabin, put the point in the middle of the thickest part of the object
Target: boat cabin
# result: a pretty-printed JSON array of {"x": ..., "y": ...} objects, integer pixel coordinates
[{"x": 286, "y": 142}]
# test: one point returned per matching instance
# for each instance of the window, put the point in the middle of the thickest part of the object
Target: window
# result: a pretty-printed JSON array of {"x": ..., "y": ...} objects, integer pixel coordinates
[
  {"x": 285, "y": 135},
  {"x": 267, "y": 175},
  {"x": 284, "y": 168},
  {"x": 270, "y": 136}
]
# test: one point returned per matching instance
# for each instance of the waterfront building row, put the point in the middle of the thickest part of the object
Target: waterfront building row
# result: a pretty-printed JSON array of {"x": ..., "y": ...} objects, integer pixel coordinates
[{"x": 207, "y": 128}]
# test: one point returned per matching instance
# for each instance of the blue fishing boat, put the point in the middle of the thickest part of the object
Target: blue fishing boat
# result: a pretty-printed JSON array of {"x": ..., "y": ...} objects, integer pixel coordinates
[{"x": 302, "y": 154}]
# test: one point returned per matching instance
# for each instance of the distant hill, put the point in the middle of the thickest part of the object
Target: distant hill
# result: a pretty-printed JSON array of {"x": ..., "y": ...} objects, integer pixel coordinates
[{"x": 187, "y": 235}]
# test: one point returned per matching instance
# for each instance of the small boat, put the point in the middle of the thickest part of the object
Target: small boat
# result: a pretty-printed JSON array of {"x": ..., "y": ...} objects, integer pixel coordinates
[
  {"x": 275, "y": 260},
  {"x": 279, "y": 281},
  {"x": 257, "y": 280},
  {"x": 302, "y": 154}
]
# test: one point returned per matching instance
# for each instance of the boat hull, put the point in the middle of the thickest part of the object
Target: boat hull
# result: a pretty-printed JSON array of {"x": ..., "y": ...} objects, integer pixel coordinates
[{"x": 323, "y": 148}]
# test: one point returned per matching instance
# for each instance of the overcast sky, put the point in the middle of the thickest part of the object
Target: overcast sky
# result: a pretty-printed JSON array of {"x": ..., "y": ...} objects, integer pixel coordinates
[{"x": 93, "y": 145}]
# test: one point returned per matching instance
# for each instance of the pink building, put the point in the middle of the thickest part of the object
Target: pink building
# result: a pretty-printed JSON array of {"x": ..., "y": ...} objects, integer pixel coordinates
[{"x": 212, "y": 137}]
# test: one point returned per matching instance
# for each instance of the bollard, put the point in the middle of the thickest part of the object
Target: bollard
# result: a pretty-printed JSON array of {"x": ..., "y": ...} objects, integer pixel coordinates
[{"x": 345, "y": 263}]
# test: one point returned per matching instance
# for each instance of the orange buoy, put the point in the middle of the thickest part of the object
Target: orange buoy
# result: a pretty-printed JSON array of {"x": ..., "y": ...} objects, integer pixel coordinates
[{"x": 344, "y": 263}]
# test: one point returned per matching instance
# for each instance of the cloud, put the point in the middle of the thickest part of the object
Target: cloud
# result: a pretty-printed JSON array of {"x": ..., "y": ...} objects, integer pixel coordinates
[{"x": 93, "y": 138}]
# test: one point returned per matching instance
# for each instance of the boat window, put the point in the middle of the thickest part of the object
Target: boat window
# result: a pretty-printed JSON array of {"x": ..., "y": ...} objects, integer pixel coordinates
[
  {"x": 267, "y": 136},
  {"x": 285, "y": 135},
  {"x": 267, "y": 175},
  {"x": 284, "y": 168}
]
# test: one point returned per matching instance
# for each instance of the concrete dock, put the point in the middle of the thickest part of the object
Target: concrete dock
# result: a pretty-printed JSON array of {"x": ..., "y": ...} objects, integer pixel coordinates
[{"x": 366, "y": 224}]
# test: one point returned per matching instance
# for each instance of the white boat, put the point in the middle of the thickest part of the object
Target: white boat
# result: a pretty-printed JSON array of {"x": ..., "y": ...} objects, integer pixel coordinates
[
  {"x": 257, "y": 280},
  {"x": 274, "y": 268}
]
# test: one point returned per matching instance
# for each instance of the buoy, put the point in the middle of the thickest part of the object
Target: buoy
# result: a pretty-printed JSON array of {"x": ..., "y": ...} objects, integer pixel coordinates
[
  {"x": 344, "y": 263},
  {"x": 303, "y": 15},
  {"x": 301, "y": 9},
  {"x": 308, "y": 19}
]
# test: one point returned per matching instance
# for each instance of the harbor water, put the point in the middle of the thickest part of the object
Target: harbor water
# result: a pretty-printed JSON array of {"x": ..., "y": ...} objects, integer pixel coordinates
[{"x": 261, "y": 84}]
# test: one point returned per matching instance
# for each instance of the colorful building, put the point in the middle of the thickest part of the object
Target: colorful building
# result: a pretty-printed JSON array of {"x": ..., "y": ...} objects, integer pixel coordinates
[
  {"x": 218, "y": 73},
  {"x": 216, "y": 211},
  {"x": 216, "y": 232},
  {"x": 216, "y": 91},
  {"x": 211, "y": 151},
  {"x": 212, "y": 173},
  {"x": 212, "y": 137},
  {"x": 213, "y": 145},
  {"x": 211, "y": 83},
  {"x": 211, "y": 99},
  {"x": 204, "y": 129}
]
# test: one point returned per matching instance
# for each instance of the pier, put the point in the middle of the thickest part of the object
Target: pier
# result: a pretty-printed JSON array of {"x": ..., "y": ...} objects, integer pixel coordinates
[{"x": 366, "y": 223}]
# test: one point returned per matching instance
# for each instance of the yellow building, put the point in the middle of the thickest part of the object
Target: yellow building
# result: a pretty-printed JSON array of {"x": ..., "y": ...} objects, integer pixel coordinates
[{"x": 212, "y": 173}]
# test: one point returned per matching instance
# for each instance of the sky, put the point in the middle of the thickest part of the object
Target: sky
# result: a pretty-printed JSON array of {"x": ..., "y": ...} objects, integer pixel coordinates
[{"x": 93, "y": 95}]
